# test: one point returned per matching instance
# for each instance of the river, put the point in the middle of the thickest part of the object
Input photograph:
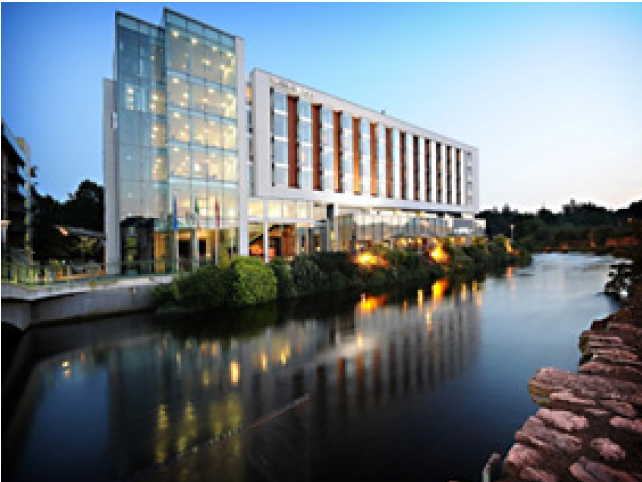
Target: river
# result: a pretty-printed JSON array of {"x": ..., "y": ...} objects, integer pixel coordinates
[{"x": 419, "y": 385}]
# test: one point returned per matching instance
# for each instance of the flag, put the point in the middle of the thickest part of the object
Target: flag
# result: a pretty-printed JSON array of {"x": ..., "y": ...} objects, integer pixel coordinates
[
  {"x": 198, "y": 224},
  {"x": 174, "y": 216}
]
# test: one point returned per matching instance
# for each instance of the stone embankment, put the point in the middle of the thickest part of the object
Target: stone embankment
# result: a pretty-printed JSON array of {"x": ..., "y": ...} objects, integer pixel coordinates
[{"x": 589, "y": 428}]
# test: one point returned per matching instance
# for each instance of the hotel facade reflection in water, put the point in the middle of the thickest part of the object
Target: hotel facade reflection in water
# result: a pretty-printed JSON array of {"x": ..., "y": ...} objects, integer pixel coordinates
[{"x": 161, "y": 395}]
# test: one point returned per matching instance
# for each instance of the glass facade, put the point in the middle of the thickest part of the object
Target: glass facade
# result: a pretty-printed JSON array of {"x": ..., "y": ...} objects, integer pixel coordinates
[
  {"x": 381, "y": 160},
  {"x": 347, "y": 153},
  {"x": 396, "y": 165},
  {"x": 327, "y": 149},
  {"x": 279, "y": 138},
  {"x": 304, "y": 135},
  {"x": 364, "y": 151},
  {"x": 410, "y": 189},
  {"x": 177, "y": 139}
]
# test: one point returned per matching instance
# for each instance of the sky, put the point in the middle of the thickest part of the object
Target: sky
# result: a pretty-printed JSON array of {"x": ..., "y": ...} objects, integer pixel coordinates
[{"x": 551, "y": 94}]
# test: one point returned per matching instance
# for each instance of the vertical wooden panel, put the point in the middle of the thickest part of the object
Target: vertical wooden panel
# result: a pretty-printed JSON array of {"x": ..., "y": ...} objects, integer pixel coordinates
[
  {"x": 374, "y": 153},
  {"x": 293, "y": 162},
  {"x": 402, "y": 147},
  {"x": 449, "y": 174},
  {"x": 356, "y": 155},
  {"x": 389, "y": 162},
  {"x": 316, "y": 147},
  {"x": 428, "y": 170},
  {"x": 338, "y": 174}
]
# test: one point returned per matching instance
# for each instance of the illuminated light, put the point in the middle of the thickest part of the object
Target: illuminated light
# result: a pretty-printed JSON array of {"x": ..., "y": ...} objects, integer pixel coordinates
[
  {"x": 65, "y": 364},
  {"x": 507, "y": 246},
  {"x": 235, "y": 373},
  {"x": 370, "y": 303},
  {"x": 67, "y": 373},
  {"x": 264, "y": 362},
  {"x": 478, "y": 299},
  {"x": 369, "y": 259},
  {"x": 175, "y": 80},
  {"x": 206, "y": 378},
  {"x": 130, "y": 90},
  {"x": 473, "y": 286},
  {"x": 175, "y": 33},
  {"x": 359, "y": 340},
  {"x": 194, "y": 41},
  {"x": 420, "y": 298},
  {"x": 64, "y": 232},
  {"x": 185, "y": 94},
  {"x": 156, "y": 128},
  {"x": 509, "y": 272},
  {"x": 283, "y": 357},
  {"x": 438, "y": 254},
  {"x": 154, "y": 97},
  {"x": 177, "y": 115},
  {"x": 464, "y": 292}
]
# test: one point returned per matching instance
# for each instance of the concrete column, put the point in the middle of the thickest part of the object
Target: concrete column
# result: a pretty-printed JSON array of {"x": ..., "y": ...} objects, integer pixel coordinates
[{"x": 194, "y": 254}]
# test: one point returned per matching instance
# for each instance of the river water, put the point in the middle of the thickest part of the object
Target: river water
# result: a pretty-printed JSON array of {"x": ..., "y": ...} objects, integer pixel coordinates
[{"x": 419, "y": 385}]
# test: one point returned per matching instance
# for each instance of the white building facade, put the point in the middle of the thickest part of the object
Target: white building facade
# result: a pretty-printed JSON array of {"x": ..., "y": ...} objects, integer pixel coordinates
[{"x": 202, "y": 163}]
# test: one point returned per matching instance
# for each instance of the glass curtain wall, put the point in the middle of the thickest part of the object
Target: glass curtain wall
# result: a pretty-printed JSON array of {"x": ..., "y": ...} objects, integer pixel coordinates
[
  {"x": 364, "y": 150},
  {"x": 202, "y": 112},
  {"x": 142, "y": 135},
  {"x": 347, "y": 153},
  {"x": 279, "y": 102},
  {"x": 304, "y": 136},
  {"x": 327, "y": 149}
]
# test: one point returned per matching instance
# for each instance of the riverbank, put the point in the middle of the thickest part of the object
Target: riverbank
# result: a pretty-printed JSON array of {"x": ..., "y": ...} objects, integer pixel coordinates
[
  {"x": 249, "y": 281},
  {"x": 590, "y": 425}
]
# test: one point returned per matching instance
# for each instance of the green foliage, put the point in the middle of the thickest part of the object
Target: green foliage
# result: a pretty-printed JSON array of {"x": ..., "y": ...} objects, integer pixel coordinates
[
  {"x": 307, "y": 275},
  {"x": 284, "y": 279},
  {"x": 205, "y": 289},
  {"x": 251, "y": 282}
]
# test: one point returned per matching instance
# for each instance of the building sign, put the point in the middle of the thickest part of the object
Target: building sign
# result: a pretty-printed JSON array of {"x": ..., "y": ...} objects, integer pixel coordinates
[{"x": 291, "y": 87}]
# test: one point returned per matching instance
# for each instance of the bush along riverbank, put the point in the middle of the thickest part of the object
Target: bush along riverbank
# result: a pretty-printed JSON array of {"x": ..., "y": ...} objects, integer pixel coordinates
[{"x": 249, "y": 281}]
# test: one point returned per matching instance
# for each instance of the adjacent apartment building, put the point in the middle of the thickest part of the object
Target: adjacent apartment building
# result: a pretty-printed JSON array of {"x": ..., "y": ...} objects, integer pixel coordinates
[
  {"x": 201, "y": 162},
  {"x": 16, "y": 196}
]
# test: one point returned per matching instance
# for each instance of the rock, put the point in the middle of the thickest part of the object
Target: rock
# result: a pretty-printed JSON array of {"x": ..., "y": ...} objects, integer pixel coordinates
[
  {"x": 620, "y": 408},
  {"x": 562, "y": 419},
  {"x": 536, "y": 434},
  {"x": 608, "y": 450},
  {"x": 634, "y": 426},
  {"x": 597, "y": 412},
  {"x": 521, "y": 456},
  {"x": 598, "y": 367},
  {"x": 566, "y": 400},
  {"x": 589, "y": 471},
  {"x": 537, "y": 475},
  {"x": 549, "y": 380}
]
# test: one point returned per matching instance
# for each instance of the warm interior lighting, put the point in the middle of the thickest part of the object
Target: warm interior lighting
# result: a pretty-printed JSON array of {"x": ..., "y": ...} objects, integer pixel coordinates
[
  {"x": 235, "y": 373},
  {"x": 509, "y": 248},
  {"x": 438, "y": 290},
  {"x": 369, "y": 259},
  {"x": 370, "y": 303}
]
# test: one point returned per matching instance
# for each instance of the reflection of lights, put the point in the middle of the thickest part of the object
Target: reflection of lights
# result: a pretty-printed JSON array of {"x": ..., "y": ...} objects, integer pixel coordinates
[
  {"x": 206, "y": 378},
  {"x": 178, "y": 358},
  {"x": 420, "y": 298},
  {"x": 359, "y": 340},
  {"x": 264, "y": 362},
  {"x": 370, "y": 303},
  {"x": 464, "y": 292},
  {"x": 429, "y": 321},
  {"x": 473, "y": 286},
  {"x": 214, "y": 349},
  {"x": 478, "y": 299},
  {"x": 509, "y": 272},
  {"x": 67, "y": 373},
  {"x": 438, "y": 290},
  {"x": 83, "y": 357},
  {"x": 190, "y": 413},
  {"x": 235, "y": 373},
  {"x": 162, "y": 420}
]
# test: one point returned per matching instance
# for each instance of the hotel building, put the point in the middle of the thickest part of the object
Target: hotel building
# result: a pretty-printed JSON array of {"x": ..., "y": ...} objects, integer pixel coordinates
[{"x": 201, "y": 162}]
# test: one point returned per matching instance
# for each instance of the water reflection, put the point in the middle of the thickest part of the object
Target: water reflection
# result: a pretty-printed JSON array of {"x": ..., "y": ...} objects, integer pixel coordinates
[{"x": 166, "y": 404}]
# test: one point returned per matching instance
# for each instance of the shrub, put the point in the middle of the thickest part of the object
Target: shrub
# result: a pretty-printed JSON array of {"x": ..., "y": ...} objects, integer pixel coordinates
[
  {"x": 307, "y": 275},
  {"x": 284, "y": 280},
  {"x": 251, "y": 282},
  {"x": 167, "y": 294},
  {"x": 207, "y": 288}
]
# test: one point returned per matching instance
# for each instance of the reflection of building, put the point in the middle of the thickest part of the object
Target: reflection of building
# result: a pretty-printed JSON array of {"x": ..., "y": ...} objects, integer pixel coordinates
[
  {"x": 199, "y": 162},
  {"x": 16, "y": 194}
]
